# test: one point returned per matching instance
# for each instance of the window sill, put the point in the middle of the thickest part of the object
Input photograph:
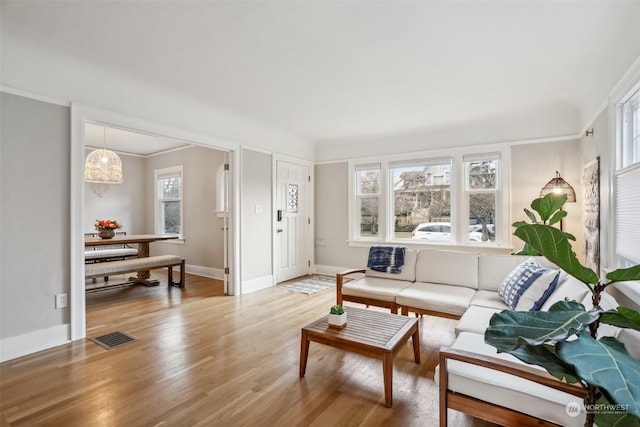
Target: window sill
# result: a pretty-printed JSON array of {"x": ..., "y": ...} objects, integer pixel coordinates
[
  {"x": 411, "y": 244},
  {"x": 178, "y": 241}
]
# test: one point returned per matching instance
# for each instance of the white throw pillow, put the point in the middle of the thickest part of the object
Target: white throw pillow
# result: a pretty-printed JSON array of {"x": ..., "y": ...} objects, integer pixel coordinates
[{"x": 528, "y": 286}]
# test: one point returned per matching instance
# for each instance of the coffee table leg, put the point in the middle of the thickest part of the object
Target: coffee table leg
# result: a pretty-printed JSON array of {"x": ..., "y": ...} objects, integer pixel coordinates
[
  {"x": 415, "y": 338},
  {"x": 304, "y": 352},
  {"x": 387, "y": 371}
]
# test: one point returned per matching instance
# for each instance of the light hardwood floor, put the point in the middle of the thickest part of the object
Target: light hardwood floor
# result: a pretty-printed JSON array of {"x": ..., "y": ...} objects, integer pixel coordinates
[{"x": 205, "y": 359}]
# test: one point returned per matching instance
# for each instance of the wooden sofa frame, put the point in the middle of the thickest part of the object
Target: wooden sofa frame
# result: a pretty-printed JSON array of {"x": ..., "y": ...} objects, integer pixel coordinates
[
  {"x": 489, "y": 411},
  {"x": 392, "y": 306}
]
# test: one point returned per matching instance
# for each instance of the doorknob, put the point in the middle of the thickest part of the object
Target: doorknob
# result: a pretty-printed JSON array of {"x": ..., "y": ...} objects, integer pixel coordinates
[{"x": 279, "y": 230}]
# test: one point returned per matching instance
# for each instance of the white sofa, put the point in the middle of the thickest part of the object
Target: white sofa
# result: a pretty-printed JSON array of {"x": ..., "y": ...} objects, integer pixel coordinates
[{"x": 465, "y": 286}]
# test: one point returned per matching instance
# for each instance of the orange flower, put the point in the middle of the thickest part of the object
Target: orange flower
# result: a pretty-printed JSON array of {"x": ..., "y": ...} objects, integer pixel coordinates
[{"x": 104, "y": 224}]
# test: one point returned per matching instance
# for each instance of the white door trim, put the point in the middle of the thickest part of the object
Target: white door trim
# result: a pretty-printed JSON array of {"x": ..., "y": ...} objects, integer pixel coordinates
[{"x": 80, "y": 114}]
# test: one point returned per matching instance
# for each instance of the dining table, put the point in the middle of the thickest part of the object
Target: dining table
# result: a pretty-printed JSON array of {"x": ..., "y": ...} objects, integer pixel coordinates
[{"x": 142, "y": 240}]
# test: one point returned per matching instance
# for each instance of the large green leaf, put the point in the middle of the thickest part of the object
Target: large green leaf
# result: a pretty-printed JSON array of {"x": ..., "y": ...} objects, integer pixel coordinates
[
  {"x": 557, "y": 217},
  {"x": 554, "y": 245},
  {"x": 624, "y": 274},
  {"x": 547, "y": 205},
  {"x": 608, "y": 414},
  {"x": 622, "y": 317},
  {"x": 545, "y": 356},
  {"x": 606, "y": 364},
  {"x": 531, "y": 215},
  {"x": 509, "y": 330},
  {"x": 527, "y": 250}
]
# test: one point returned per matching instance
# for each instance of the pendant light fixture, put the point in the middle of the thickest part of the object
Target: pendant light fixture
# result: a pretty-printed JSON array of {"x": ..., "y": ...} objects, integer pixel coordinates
[
  {"x": 559, "y": 186},
  {"x": 103, "y": 168}
]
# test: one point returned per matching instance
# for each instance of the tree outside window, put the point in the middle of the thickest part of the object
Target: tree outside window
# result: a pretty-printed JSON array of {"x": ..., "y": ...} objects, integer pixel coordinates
[
  {"x": 169, "y": 218},
  {"x": 368, "y": 196},
  {"x": 421, "y": 193},
  {"x": 482, "y": 192}
]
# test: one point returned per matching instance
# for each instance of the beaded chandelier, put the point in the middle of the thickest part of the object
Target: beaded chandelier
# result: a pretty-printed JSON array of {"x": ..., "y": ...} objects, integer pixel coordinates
[{"x": 102, "y": 168}]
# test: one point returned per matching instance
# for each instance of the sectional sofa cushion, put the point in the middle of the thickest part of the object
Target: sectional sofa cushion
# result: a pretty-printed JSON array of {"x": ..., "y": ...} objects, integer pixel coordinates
[
  {"x": 507, "y": 390},
  {"x": 492, "y": 269},
  {"x": 375, "y": 288},
  {"x": 476, "y": 319},
  {"x": 489, "y": 299},
  {"x": 528, "y": 286},
  {"x": 568, "y": 288},
  {"x": 436, "y": 297},
  {"x": 448, "y": 268},
  {"x": 407, "y": 272}
]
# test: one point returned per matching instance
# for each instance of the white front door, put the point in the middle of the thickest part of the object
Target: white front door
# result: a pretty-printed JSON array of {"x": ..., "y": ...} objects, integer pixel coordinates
[{"x": 292, "y": 223}]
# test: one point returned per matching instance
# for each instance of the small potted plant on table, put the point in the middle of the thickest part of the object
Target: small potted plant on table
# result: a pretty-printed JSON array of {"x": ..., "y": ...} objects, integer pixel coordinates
[{"x": 337, "y": 317}]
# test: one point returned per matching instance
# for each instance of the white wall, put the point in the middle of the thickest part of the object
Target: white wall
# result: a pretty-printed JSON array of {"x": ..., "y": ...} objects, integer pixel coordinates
[
  {"x": 203, "y": 238},
  {"x": 332, "y": 220},
  {"x": 34, "y": 222},
  {"x": 33, "y": 68},
  {"x": 255, "y": 234},
  {"x": 532, "y": 166},
  {"x": 122, "y": 202}
]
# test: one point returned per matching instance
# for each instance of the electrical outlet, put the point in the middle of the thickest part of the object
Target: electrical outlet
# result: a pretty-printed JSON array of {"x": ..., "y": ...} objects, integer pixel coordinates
[{"x": 61, "y": 300}]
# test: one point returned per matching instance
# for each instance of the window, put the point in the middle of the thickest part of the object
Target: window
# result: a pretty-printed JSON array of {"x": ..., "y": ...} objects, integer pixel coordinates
[
  {"x": 627, "y": 177},
  {"x": 368, "y": 199},
  {"x": 168, "y": 206},
  {"x": 420, "y": 195},
  {"x": 481, "y": 188},
  {"x": 456, "y": 200}
]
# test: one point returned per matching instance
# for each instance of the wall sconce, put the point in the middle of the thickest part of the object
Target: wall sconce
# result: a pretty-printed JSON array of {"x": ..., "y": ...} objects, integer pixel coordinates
[
  {"x": 102, "y": 168},
  {"x": 559, "y": 186}
]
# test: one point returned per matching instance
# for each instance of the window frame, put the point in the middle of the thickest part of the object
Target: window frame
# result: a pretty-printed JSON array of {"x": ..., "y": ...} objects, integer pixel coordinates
[
  {"x": 459, "y": 198},
  {"x": 627, "y": 163},
  {"x": 161, "y": 174},
  {"x": 356, "y": 201},
  {"x": 496, "y": 191}
]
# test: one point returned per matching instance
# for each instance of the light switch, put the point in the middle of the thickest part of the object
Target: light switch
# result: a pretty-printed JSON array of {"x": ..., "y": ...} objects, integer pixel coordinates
[{"x": 258, "y": 209}]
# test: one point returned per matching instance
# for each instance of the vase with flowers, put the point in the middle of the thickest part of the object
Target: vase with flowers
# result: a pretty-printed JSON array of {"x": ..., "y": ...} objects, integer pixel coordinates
[{"x": 106, "y": 228}]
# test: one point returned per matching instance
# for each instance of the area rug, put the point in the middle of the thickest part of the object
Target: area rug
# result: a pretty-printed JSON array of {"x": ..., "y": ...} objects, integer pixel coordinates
[{"x": 310, "y": 285}]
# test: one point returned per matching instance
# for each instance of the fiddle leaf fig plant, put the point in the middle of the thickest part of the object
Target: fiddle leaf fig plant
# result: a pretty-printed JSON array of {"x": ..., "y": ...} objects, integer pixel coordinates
[
  {"x": 564, "y": 340},
  {"x": 549, "y": 208}
]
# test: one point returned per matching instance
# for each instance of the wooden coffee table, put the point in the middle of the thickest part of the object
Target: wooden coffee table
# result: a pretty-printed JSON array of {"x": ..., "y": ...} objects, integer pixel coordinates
[{"x": 368, "y": 332}]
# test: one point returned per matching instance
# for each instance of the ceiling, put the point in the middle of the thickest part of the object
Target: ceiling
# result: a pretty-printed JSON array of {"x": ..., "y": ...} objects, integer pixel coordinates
[
  {"x": 334, "y": 70},
  {"x": 129, "y": 142}
]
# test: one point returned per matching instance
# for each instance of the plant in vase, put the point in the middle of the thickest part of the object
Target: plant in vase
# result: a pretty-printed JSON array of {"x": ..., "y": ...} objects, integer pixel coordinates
[
  {"x": 337, "y": 317},
  {"x": 564, "y": 340},
  {"x": 106, "y": 227}
]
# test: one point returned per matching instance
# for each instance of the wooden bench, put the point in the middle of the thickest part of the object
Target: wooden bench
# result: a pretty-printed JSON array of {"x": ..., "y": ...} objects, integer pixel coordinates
[{"x": 101, "y": 269}]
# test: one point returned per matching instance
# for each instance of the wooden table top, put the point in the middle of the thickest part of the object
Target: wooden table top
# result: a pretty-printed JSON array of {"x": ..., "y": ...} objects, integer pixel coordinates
[
  {"x": 365, "y": 328},
  {"x": 133, "y": 238}
]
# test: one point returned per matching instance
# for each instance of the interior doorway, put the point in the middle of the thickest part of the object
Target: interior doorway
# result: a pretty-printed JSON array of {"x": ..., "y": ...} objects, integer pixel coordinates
[
  {"x": 202, "y": 242},
  {"x": 82, "y": 120}
]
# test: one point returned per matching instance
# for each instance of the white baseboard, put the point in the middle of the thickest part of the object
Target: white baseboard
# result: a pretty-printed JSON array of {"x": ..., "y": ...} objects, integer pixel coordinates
[
  {"x": 257, "y": 284},
  {"x": 32, "y": 342},
  {"x": 212, "y": 273}
]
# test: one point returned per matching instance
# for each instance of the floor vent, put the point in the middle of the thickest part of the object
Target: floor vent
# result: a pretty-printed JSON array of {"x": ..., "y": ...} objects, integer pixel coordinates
[{"x": 113, "y": 339}]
